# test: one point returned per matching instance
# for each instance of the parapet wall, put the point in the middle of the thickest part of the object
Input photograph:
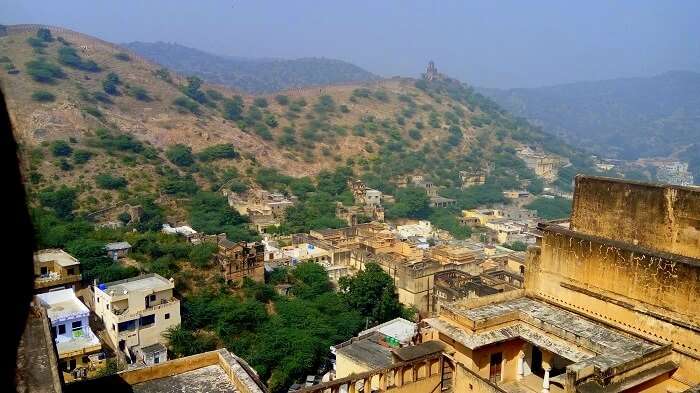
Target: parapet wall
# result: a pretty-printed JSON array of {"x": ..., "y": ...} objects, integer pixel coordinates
[{"x": 659, "y": 217}]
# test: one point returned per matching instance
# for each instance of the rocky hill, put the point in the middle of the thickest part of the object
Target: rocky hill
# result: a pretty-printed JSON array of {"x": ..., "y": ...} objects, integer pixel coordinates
[
  {"x": 97, "y": 117},
  {"x": 250, "y": 74}
]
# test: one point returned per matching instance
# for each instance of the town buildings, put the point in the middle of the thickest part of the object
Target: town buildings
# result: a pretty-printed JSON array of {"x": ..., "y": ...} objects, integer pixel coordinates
[
  {"x": 241, "y": 260},
  {"x": 136, "y": 312},
  {"x": 70, "y": 329},
  {"x": 608, "y": 305},
  {"x": 544, "y": 165},
  {"x": 55, "y": 269}
]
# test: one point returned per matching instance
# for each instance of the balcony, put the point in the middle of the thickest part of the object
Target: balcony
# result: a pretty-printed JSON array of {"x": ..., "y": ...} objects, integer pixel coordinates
[
  {"x": 51, "y": 280},
  {"x": 125, "y": 314}
]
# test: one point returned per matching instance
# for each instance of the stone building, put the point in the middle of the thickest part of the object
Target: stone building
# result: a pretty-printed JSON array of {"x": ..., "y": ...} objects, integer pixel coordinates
[
  {"x": 609, "y": 304},
  {"x": 240, "y": 260},
  {"x": 472, "y": 178}
]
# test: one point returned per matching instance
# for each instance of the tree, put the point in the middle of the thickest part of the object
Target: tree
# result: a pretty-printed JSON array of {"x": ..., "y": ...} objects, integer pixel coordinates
[
  {"x": 233, "y": 109},
  {"x": 311, "y": 280},
  {"x": 551, "y": 209},
  {"x": 209, "y": 213},
  {"x": 43, "y": 71},
  {"x": 61, "y": 201},
  {"x": 109, "y": 182},
  {"x": 44, "y": 34},
  {"x": 110, "y": 84},
  {"x": 61, "y": 148},
  {"x": 411, "y": 202},
  {"x": 282, "y": 99},
  {"x": 180, "y": 155},
  {"x": 372, "y": 292},
  {"x": 201, "y": 254},
  {"x": 192, "y": 90},
  {"x": 260, "y": 102}
]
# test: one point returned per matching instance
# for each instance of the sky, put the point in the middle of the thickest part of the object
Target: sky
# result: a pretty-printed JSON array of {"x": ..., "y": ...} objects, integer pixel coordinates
[{"x": 490, "y": 43}]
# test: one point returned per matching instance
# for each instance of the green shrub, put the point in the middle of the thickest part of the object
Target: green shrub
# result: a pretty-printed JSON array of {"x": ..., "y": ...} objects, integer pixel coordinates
[
  {"x": 415, "y": 134},
  {"x": 101, "y": 97},
  {"x": 93, "y": 111},
  {"x": 140, "y": 93},
  {"x": 325, "y": 104},
  {"x": 61, "y": 148},
  {"x": 180, "y": 155},
  {"x": 163, "y": 74},
  {"x": 41, "y": 70},
  {"x": 179, "y": 186},
  {"x": 282, "y": 99},
  {"x": 263, "y": 132},
  {"x": 122, "y": 56},
  {"x": 344, "y": 109},
  {"x": 214, "y": 95},
  {"x": 215, "y": 152},
  {"x": 270, "y": 120},
  {"x": 201, "y": 254},
  {"x": 69, "y": 56},
  {"x": 110, "y": 84},
  {"x": 43, "y": 96},
  {"x": 82, "y": 156},
  {"x": 36, "y": 43},
  {"x": 381, "y": 96},
  {"x": 44, "y": 34},
  {"x": 233, "y": 109},
  {"x": 260, "y": 102},
  {"x": 109, "y": 182},
  {"x": 187, "y": 104},
  {"x": 362, "y": 93}
]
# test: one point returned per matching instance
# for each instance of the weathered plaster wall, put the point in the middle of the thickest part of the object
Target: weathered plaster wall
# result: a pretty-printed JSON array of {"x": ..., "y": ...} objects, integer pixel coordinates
[
  {"x": 650, "y": 294},
  {"x": 665, "y": 218}
]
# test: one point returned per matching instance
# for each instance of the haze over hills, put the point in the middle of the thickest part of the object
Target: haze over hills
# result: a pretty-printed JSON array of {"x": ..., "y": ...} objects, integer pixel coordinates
[
  {"x": 163, "y": 134},
  {"x": 252, "y": 75},
  {"x": 627, "y": 118}
]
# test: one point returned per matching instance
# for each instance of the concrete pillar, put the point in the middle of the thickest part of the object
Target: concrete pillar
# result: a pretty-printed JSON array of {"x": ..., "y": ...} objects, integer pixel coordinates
[
  {"x": 382, "y": 382},
  {"x": 428, "y": 367},
  {"x": 545, "y": 381},
  {"x": 352, "y": 387},
  {"x": 414, "y": 373},
  {"x": 368, "y": 385},
  {"x": 521, "y": 365}
]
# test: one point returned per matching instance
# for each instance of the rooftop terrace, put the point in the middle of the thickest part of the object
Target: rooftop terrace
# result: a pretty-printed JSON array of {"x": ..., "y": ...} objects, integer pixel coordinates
[
  {"x": 59, "y": 256},
  {"x": 144, "y": 282}
]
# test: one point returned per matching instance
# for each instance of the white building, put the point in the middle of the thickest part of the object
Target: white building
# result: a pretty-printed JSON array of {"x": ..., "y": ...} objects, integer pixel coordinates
[
  {"x": 136, "y": 312},
  {"x": 70, "y": 328},
  {"x": 373, "y": 197},
  {"x": 421, "y": 229}
]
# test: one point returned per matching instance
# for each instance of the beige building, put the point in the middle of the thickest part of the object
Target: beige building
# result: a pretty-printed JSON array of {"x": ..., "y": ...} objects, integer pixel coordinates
[
  {"x": 137, "y": 311},
  {"x": 55, "y": 269}
]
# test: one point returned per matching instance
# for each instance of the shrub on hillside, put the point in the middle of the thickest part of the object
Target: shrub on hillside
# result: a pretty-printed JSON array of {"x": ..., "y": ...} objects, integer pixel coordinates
[
  {"x": 61, "y": 148},
  {"x": 180, "y": 155},
  {"x": 44, "y": 34},
  {"x": 140, "y": 93},
  {"x": 81, "y": 156},
  {"x": 43, "y": 96},
  {"x": 69, "y": 56},
  {"x": 260, "y": 102},
  {"x": 109, "y": 182},
  {"x": 41, "y": 70},
  {"x": 36, "y": 43},
  {"x": 215, "y": 152},
  {"x": 187, "y": 104},
  {"x": 282, "y": 99},
  {"x": 122, "y": 56}
]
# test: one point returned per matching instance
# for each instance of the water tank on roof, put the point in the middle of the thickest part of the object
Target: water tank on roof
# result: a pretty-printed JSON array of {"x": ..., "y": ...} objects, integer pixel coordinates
[{"x": 102, "y": 287}]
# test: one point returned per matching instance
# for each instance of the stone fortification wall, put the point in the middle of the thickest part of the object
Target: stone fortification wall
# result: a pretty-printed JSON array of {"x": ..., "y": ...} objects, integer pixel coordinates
[{"x": 664, "y": 218}]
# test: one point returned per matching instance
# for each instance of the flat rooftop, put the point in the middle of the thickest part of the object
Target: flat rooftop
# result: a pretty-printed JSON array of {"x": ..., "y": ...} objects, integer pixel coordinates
[
  {"x": 59, "y": 256},
  {"x": 209, "y": 379},
  {"x": 368, "y": 351},
  {"x": 566, "y": 333},
  {"x": 145, "y": 282},
  {"x": 62, "y": 304}
]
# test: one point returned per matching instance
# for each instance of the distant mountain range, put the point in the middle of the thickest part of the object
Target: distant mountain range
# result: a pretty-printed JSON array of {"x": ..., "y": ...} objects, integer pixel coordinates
[
  {"x": 252, "y": 75},
  {"x": 626, "y": 118}
]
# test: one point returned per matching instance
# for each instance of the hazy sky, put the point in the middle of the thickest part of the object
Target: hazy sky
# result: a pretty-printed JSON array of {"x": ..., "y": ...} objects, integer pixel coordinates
[{"x": 487, "y": 43}]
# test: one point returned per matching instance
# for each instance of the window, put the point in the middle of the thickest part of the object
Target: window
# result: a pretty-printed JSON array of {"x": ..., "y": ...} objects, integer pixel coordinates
[
  {"x": 86, "y": 360},
  {"x": 147, "y": 320},
  {"x": 156, "y": 360},
  {"x": 128, "y": 325},
  {"x": 98, "y": 300},
  {"x": 61, "y": 329},
  {"x": 44, "y": 270},
  {"x": 167, "y": 316},
  {"x": 77, "y": 324},
  {"x": 495, "y": 367},
  {"x": 153, "y": 298},
  {"x": 108, "y": 307},
  {"x": 70, "y": 271}
]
